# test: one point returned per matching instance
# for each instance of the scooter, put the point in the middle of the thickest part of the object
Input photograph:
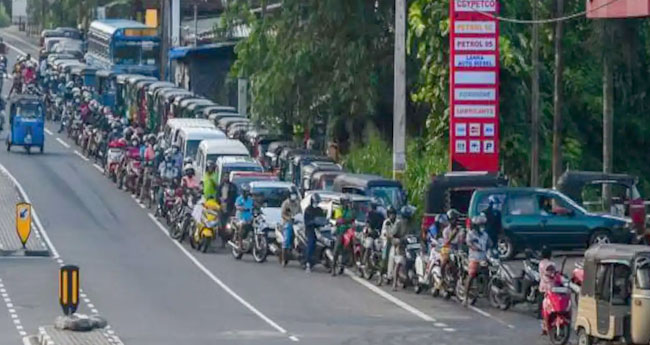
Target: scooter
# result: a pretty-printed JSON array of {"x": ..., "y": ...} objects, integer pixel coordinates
[
  {"x": 507, "y": 287},
  {"x": 297, "y": 250},
  {"x": 182, "y": 225},
  {"x": 404, "y": 270},
  {"x": 205, "y": 230},
  {"x": 556, "y": 310},
  {"x": 114, "y": 156}
]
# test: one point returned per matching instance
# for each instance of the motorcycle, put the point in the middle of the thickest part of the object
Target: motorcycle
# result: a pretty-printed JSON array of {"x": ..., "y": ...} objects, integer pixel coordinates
[
  {"x": 132, "y": 175},
  {"x": 205, "y": 229},
  {"x": 255, "y": 241},
  {"x": 371, "y": 252},
  {"x": 182, "y": 225},
  {"x": 479, "y": 287},
  {"x": 114, "y": 156},
  {"x": 556, "y": 310},
  {"x": 132, "y": 153},
  {"x": 506, "y": 287},
  {"x": 87, "y": 133},
  {"x": 405, "y": 262},
  {"x": 169, "y": 197}
]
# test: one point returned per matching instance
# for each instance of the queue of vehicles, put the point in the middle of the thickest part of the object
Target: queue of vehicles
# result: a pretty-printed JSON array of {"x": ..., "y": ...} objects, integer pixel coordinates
[{"x": 273, "y": 167}]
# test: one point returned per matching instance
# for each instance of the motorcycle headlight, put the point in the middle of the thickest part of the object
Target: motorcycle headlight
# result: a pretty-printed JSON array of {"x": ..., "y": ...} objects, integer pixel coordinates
[{"x": 212, "y": 224}]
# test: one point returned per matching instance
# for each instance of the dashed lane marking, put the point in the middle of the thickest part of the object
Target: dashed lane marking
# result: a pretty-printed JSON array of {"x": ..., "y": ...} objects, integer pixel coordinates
[
  {"x": 48, "y": 131},
  {"x": 80, "y": 155},
  {"x": 66, "y": 145},
  {"x": 218, "y": 281},
  {"x": 490, "y": 316},
  {"x": 98, "y": 167},
  {"x": 12, "y": 312}
]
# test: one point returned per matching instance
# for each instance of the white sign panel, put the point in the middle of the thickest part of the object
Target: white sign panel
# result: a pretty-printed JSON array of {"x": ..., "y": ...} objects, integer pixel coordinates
[
  {"x": 461, "y": 94},
  {"x": 475, "y": 5},
  {"x": 475, "y": 43},
  {"x": 461, "y": 129},
  {"x": 476, "y": 78},
  {"x": 488, "y": 146},
  {"x": 474, "y": 146},
  {"x": 470, "y": 27},
  {"x": 474, "y": 129},
  {"x": 474, "y": 111},
  {"x": 488, "y": 130},
  {"x": 461, "y": 146},
  {"x": 475, "y": 60}
]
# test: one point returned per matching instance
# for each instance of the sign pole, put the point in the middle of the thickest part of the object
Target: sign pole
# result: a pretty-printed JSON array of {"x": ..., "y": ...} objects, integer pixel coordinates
[
  {"x": 23, "y": 222},
  {"x": 399, "y": 95}
]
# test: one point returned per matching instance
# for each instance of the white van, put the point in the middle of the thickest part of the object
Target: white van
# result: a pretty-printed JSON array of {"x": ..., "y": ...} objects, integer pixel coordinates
[
  {"x": 228, "y": 164},
  {"x": 211, "y": 150},
  {"x": 172, "y": 126},
  {"x": 190, "y": 138}
]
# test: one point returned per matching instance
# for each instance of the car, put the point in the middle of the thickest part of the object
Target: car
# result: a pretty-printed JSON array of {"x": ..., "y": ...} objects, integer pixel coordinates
[
  {"x": 269, "y": 196},
  {"x": 386, "y": 191},
  {"x": 226, "y": 164},
  {"x": 536, "y": 217}
]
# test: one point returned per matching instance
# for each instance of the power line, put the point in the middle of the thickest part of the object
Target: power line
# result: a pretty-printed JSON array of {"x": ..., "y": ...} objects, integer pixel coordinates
[{"x": 544, "y": 21}]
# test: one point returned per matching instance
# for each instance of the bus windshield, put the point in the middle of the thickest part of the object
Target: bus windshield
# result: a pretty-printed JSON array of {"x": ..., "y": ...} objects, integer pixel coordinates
[{"x": 126, "y": 55}]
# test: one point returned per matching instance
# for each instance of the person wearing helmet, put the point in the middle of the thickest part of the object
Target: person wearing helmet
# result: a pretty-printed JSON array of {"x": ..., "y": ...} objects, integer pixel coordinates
[
  {"x": 386, "y": 229},
  {"x": 227, "y": 195},
  {"x": 177, "y": 155},
  {"x": 375, "y": 217},
  {"x": 128, "y": 133},
  {"x": 289, "y": 209},
  {"x": 399, "y": 231},
  {"x": 478, "y": 242},
  {"x": 149, "y": 159},
  {"x": 189, "y": 180},
  {"x": 244, "y": 215},
  {"x": 493, "y": 215},
  {"x": 167, "y": 172},
  {"x": 344, "y": 219},
  {"x": 312, "y": 215},
  {"x": 209, "y": 186}
]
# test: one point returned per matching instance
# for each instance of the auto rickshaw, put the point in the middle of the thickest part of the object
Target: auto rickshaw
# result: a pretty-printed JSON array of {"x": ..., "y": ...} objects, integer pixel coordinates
[
  {"x": 585, "y": 188},
  {"x": 121, "y": 95},
  {"x": 153, "y": 118},
  {"x": 308, "y": 171},
  {"x": 132, "y": 101},
  {"x": 273, "y": 154},
  {"x": 161, "y": 101},
  {"x": 27, "y": 121},
  {"x": 614, "y": 300},
  {"x": 218, "y": 109},
  {"x": 84, "y": 75},
  {"x": 169, "y": 98},
  {"x": 139, "y": 90},
  {"x": 106, "y": 87},
  {"x": 195, "y": 109}
]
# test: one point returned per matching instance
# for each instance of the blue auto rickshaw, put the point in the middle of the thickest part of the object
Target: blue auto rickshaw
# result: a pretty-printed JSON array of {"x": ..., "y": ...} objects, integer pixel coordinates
[
  {"x": 26, "y": 122},
  {"x": 106, "y": 87}
]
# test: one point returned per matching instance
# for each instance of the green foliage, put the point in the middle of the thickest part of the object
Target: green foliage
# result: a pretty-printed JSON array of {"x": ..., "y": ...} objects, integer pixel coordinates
[{"x": 5, "y": 18}]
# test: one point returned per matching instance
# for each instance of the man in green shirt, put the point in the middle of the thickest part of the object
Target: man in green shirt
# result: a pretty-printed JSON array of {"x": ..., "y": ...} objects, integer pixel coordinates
[
  {"x": 209, "y": 183},
  {"x": 344, "y": 220}
]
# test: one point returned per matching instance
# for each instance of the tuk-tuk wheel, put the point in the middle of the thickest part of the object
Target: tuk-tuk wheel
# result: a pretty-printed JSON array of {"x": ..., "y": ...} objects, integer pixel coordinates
[
  {"x": 41, "y": 148},
  {"x": 8, "y": 146},
  {"x": 29, "y": 149},
  {"x": 584, "y": 338}
]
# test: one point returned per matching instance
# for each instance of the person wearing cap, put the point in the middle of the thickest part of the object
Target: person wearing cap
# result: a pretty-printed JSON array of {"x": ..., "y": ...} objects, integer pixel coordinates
[{"x": 289, "y": 209}]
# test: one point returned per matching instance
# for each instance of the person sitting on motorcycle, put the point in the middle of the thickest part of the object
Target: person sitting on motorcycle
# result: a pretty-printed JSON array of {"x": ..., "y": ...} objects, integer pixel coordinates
[
  {"x": 311, "y": 214},
  {"x": 177, "y": 156},
  {"x": 478, "y": 243},
  {"x": 189, "y": 179},
  {"x": 375, "y": 217},
  {"x": 289, "y": 208},
  {"x": 227, "y": 195},
  {"x": 209, "y": 185},
  {"x": 244, "y": 215},
  {"x": 167, "y": 172},
  {"x": 387, "y": 228},
  {"x": 400, "y": 230},
  {"x": 128, "y": 133},
  {"x": 344, "y": 217}
]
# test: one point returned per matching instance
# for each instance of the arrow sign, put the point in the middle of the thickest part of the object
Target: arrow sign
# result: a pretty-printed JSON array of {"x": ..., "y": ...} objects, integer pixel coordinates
[{"x": 23, "y": 221}]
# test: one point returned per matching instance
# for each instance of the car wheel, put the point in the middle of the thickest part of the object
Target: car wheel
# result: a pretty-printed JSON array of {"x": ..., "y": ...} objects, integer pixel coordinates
[
  {"x": 505, "y": 247},
  {"x": 600, "y": 237}
]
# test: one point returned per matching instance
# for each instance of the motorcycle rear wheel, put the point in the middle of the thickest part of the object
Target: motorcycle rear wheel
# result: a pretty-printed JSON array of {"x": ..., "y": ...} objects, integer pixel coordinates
[
  {"x": 559, "y": 336},
  {"x": 205, "y": 244}
]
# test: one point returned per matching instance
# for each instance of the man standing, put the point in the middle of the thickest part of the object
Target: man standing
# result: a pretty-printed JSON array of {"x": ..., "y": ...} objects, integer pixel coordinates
[
  {"x": 312, "y": 213},
  {"x": 493, "y": 216},
  {"x": 290, "y": 207}
]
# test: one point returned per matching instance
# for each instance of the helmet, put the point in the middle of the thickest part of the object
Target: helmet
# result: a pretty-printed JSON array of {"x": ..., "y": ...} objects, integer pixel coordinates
[
  {"x": 188, "y": 169},
  {"x": 453, "y": 215},
  {"x": 128, "y": 133},
  {"x": 479, "y": 220},
  {"x": 442, "y": 219},
  {"x": 406, "y": 212},
  {"x": 69, "y": 85},
  {"x": 151, "y": 139},
  {"x": 391, "y": 211},
  {"x": 245, "y": 189},
  {"x": 107, "y": 110},
  {"x": 209, "y": 165},
  {"x": 493, "y": 200},
  {"x": 211, "y": 205},
  {"x": 315, "y": 199},
  {"x": 187, "y": 160},
  {"x": 125, "y": 122}
]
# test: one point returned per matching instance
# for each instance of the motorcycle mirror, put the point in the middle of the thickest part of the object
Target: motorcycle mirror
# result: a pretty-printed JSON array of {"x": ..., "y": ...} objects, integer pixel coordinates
[{"x": 562, "y": 266}]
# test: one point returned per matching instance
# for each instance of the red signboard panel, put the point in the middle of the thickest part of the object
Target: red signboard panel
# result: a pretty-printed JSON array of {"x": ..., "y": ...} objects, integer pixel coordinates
[
  {"x": 618, "y": 8},
  {"x": 474, "y": 86}
]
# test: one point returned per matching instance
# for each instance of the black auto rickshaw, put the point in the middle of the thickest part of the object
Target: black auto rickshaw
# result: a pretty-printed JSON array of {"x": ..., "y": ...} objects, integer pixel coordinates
[
  {"x": 324, "y": 179},
  {"x": 585, "y": 188},
  {"x": 309, "y": 170},
  {"x": 194, "y": 110},
  {"x": 273, "y": 151},
  {"x": 217, "y": 109},
  {"x": 165, "y": 99},
  {"x": 298, "y": 163},
  {"x": 454, "y": 190},
  {"x": 285, "y": 161},
  {"x": 614, "y": 299},
  {"x": 386, "y": 191}
]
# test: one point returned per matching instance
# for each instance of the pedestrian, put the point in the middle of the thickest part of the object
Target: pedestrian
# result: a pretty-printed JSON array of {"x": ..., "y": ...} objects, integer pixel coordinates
[
  {"x": 312, "y": 214},
  {"x": 289, "y": 209},
  {"x": 493, "y": 226}
]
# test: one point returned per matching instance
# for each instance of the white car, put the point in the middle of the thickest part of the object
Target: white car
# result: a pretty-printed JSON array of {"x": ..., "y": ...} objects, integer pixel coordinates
[{"x": 270, "y": 195}]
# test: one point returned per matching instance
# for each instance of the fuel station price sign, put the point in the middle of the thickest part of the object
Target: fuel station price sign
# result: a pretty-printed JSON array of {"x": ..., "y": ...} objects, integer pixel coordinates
[{"x": 474, "y": 86}]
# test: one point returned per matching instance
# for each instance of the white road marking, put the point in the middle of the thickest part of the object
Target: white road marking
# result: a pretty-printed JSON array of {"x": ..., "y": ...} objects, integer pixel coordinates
[
  {"x": 440, "y": 324},
  {"x": 48, "y": 131},
  {"x": 96, "y": 166},
  {"x": 63, "y": 143},
  {"x": 294, "y": 338},
  {"x": 488, "y": 315},
  {"x": 391, "y": 298},
  {"x": 94, "y": 311},
  {"x": 37, "y": 221},
  {"x": 449, "y": 330},
  {"x": 91, "y": 306},
  {"x": 80, "y": 155},
  {"x": 218, "y": 281}
]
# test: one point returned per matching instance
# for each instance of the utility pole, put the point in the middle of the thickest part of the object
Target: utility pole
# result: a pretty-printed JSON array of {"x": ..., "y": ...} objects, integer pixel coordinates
[
  {"x": 534, "y": 108},
  {"x": 196, "y": 24},
  {"x": 608, "y": 113},
  {"x": 399, "y": 95},
  {"x": 557, "y": 96},
  {"x": 164, "y": 28}
]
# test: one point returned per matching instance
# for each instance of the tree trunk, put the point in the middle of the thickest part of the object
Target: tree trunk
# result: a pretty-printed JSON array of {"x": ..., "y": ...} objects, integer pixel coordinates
[
  {"x": 608, "y": 112},
  {"x": 557, "y": 96},
  {"x": 534, "y": 108}
]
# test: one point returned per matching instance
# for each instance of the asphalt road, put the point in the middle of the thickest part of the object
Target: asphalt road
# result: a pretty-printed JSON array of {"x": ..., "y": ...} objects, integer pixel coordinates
[{"x": 154, "y": 291}]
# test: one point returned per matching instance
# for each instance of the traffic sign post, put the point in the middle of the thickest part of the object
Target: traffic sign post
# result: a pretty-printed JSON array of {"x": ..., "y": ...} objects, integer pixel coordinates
[
  {"x": 69, "y": 289},
  {"x": 23, "y": 221}
]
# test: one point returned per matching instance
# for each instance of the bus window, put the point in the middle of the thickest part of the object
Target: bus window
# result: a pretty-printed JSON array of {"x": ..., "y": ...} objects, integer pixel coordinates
[{"x": 125, "y": 55}]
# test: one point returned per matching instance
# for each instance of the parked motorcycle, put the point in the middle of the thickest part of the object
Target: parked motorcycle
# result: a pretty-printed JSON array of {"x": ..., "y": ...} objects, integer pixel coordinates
[{"x": 507, "y": 287}]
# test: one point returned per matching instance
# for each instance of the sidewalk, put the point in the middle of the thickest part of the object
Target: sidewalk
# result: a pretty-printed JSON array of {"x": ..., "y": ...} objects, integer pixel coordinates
[{"x": 9, "y": 241}]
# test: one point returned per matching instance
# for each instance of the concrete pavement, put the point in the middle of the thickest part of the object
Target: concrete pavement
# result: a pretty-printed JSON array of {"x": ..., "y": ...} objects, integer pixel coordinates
[{"x": 154, "y": 291}]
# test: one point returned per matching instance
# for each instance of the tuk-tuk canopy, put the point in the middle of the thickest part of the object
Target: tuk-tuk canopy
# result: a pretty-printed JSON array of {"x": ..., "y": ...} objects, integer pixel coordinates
[
  {"x": 25, "y": 101},
  {"x": 195, "y": 105},
  {"x": 364, "y": 181},
  {"x": 122, "y": 78},
  {"x": 436, "y": 195},
  {"x": 159, "y": 85},
  {"x": 105, "y": 73},
  {"x": 616, "y": 253},
  {"x": 83, "y": 69},
  {"x": 135, "y": 78},
  {"x": 571, "y": 183},
  {"x": 276, "y": 146},
  {"x": 218, "y": 109}
]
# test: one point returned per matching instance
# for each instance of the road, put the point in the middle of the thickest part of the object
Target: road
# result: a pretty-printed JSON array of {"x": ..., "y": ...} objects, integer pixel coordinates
[{"x": 154, "y": 291}]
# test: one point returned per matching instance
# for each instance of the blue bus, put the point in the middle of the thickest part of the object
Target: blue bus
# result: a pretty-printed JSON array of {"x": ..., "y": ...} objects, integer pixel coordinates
[{"x": 124, "y": 46}]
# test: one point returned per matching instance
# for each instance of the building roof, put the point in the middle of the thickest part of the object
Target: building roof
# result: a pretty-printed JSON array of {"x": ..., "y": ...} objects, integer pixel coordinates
[{"x": 223, "y": 49}]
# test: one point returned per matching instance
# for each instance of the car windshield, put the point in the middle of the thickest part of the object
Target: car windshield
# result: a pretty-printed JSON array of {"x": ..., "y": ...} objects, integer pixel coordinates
[
  {"x": 388, "y": 196},
  {"x": 29, "y": 111},
  {"x": 271, "y": 196}
]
